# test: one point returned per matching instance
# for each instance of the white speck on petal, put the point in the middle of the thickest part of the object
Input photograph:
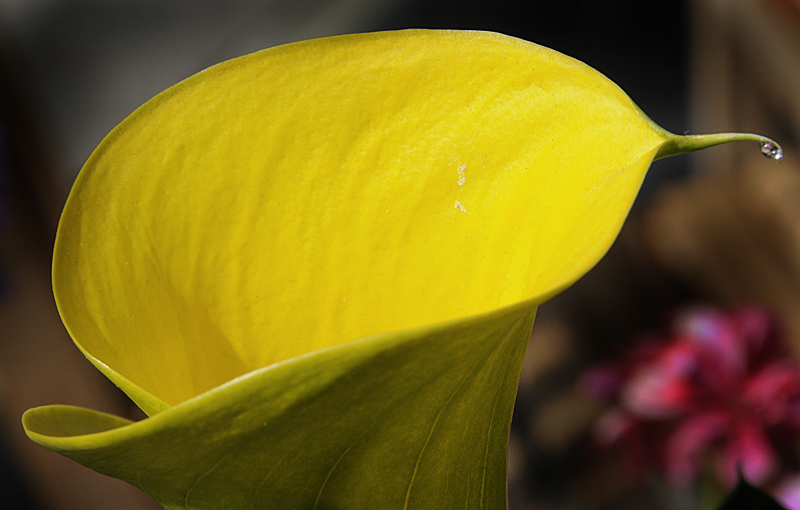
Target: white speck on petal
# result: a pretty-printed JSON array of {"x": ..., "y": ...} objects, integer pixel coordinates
[
  {"x": 459, "y": 206},
  {"x": 462, "y": 177}
]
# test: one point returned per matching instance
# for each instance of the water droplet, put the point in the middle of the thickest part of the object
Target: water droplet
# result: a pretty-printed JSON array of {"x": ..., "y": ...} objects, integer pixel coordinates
[{"x": 771, "y": 150}]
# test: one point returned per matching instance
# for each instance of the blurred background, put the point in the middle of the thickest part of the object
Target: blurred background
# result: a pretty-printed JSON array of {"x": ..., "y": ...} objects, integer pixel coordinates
[{"x": 709, "y": 233}]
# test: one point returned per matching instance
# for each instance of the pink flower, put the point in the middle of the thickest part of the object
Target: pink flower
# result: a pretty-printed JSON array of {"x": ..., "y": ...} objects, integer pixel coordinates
[
  {"x": 717, "y": 388},
  {"x": 788, "y": 491}
]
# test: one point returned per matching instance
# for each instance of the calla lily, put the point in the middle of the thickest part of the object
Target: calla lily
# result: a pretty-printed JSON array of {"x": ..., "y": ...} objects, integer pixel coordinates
[{"x": 316, "y": 267}]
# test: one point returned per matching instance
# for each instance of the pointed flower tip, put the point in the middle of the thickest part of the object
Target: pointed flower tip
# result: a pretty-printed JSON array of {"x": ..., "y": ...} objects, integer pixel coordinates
[{"x": 677, "y": 144}]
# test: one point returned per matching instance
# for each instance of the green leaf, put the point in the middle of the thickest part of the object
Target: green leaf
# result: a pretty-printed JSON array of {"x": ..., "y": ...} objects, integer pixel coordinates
[{"x": 316, "y": 267}]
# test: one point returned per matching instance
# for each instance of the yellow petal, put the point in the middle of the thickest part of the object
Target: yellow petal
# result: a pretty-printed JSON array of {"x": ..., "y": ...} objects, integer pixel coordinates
[
  {"x": 324, "y": 191},
  {"x": 330, "y": 190}
]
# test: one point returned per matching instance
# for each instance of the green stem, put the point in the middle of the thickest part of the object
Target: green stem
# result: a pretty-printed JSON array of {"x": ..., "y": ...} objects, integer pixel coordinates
[{"x": 677, "y": 144}]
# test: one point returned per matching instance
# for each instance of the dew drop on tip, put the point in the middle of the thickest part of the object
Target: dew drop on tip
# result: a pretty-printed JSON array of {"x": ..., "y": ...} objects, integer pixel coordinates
[{"x": 771, "y": 150}]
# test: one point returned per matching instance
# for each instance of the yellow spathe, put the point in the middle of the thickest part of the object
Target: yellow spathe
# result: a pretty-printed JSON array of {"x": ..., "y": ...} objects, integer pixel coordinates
[{"x": 324, "y": 191}]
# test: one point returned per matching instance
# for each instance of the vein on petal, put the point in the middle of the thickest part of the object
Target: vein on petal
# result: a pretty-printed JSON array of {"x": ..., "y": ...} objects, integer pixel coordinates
[
  {"x": 444, "y": 406},
  {"x": 494, "y": 411},
  {"x": 488, "y": 441},
  {"x": 210, "y": 470},
  {"x": 430, "y": 434},
  {"x": 325, "y": 482},
  {"x": 274, "y": 467}
]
